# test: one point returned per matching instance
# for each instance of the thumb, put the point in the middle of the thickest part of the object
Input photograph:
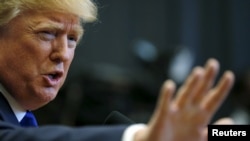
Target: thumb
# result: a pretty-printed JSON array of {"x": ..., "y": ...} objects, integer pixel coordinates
[
  {"x": 225, "y": 121},
  {"x": 221, "y": 121}
]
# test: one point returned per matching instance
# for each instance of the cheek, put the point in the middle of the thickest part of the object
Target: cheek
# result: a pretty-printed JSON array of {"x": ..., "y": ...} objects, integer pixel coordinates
[
  {"x": 19, "y": 60},
  {"x": 67, "y": 64},
  {"x": 71, "y": 57},
  {"x": 28, "y": 60},
  {"x": 30, "y": 49}
]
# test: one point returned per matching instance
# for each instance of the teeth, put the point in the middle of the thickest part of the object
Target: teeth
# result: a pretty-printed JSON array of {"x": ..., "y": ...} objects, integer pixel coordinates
[
  {"x": 51, "y": 76},
  {"x": 54, "y": 75}
]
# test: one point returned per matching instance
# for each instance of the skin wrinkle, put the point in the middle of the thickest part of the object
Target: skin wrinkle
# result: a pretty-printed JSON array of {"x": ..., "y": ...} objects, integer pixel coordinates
[{"x": 55, "y": 24}]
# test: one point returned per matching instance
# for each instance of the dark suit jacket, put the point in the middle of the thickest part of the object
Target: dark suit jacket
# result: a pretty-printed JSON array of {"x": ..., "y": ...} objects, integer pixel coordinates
[{"x": 10, "y": 130}]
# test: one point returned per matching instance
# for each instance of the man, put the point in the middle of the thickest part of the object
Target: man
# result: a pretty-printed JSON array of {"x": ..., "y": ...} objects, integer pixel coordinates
[{"x": 38, "y": 39}]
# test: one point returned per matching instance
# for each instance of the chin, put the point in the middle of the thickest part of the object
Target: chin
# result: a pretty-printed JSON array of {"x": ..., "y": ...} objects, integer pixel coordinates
[
  {"x": 49, "y": 97},
  {"x": 41, "y": 100},
  {"x": 36, "y": 104}
]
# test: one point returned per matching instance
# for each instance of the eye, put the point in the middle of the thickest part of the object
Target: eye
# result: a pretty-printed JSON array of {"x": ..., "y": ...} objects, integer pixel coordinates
[
  {"x": 72, "y": 40},
  {"x": 47, "y": 35}
]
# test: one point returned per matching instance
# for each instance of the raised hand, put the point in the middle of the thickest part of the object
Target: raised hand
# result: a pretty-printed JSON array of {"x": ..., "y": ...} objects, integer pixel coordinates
[{"x": 185, "y": 116}]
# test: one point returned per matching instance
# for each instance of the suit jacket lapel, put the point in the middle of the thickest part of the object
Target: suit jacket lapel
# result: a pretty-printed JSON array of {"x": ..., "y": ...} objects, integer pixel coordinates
[{"x": 6, "y": 113}]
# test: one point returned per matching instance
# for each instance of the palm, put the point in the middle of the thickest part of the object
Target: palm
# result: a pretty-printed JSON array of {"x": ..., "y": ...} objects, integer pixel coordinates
[{"x": 185, "y": 117}]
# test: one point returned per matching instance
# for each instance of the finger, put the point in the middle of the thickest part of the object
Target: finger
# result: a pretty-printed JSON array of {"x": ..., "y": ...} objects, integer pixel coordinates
[
  {"x": 211, "y": 70},
  {"x": 163, "y": 104},
  {"x": 186, "y": 92},
  {"x": 224, "y": 121},
  {"x": 216, "y": 96},
  {"x": 205, "y": 134}
]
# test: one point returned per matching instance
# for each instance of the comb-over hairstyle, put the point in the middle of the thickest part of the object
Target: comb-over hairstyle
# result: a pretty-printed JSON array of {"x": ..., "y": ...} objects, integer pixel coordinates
[{"x": 86, "y": 10}]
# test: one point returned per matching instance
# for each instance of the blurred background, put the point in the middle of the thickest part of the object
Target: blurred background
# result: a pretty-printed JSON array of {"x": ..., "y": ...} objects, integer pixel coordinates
[{"x": 135, "y": 45}]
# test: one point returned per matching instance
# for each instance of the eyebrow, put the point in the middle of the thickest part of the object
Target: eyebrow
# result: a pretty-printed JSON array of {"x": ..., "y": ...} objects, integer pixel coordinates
[{"x": 76, "y": 28}]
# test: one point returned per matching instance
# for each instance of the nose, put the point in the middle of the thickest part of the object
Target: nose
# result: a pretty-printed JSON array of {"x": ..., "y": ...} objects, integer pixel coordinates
[{"x": 60, "y": 50}]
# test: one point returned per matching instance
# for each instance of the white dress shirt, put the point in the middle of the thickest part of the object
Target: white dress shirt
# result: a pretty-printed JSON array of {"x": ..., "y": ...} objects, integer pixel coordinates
[
  {"x": 128, "y": 135},
  {"x": 16, "y": 108}
]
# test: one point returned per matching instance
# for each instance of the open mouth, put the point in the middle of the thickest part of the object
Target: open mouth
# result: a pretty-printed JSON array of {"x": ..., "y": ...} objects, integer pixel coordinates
[
  {"x": 53, "y": 79},
  {"x": 54, "y": 76}
]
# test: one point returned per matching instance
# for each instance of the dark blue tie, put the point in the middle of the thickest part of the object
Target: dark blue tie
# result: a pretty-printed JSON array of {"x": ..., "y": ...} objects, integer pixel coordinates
[{"x": 29, "y": 120}]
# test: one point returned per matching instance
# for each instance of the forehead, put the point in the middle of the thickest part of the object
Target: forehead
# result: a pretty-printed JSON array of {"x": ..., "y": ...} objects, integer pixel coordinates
[{"x": 53, "y": 19}]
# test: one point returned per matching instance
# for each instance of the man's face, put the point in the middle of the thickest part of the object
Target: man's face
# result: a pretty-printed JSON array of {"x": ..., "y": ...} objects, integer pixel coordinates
[{"x": 35, "y": 54}]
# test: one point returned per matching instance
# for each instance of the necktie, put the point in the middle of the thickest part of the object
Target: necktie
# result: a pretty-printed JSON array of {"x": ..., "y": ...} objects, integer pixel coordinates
[{"x": 29, "y": 120}]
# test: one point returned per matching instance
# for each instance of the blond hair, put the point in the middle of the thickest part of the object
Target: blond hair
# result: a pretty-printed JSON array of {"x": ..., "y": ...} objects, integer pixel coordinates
[{"x": 86, "y": 10}]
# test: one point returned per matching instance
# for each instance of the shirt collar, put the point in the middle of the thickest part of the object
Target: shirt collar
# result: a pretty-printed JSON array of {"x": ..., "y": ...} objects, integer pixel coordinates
[{"x": 15, "y": 106}]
